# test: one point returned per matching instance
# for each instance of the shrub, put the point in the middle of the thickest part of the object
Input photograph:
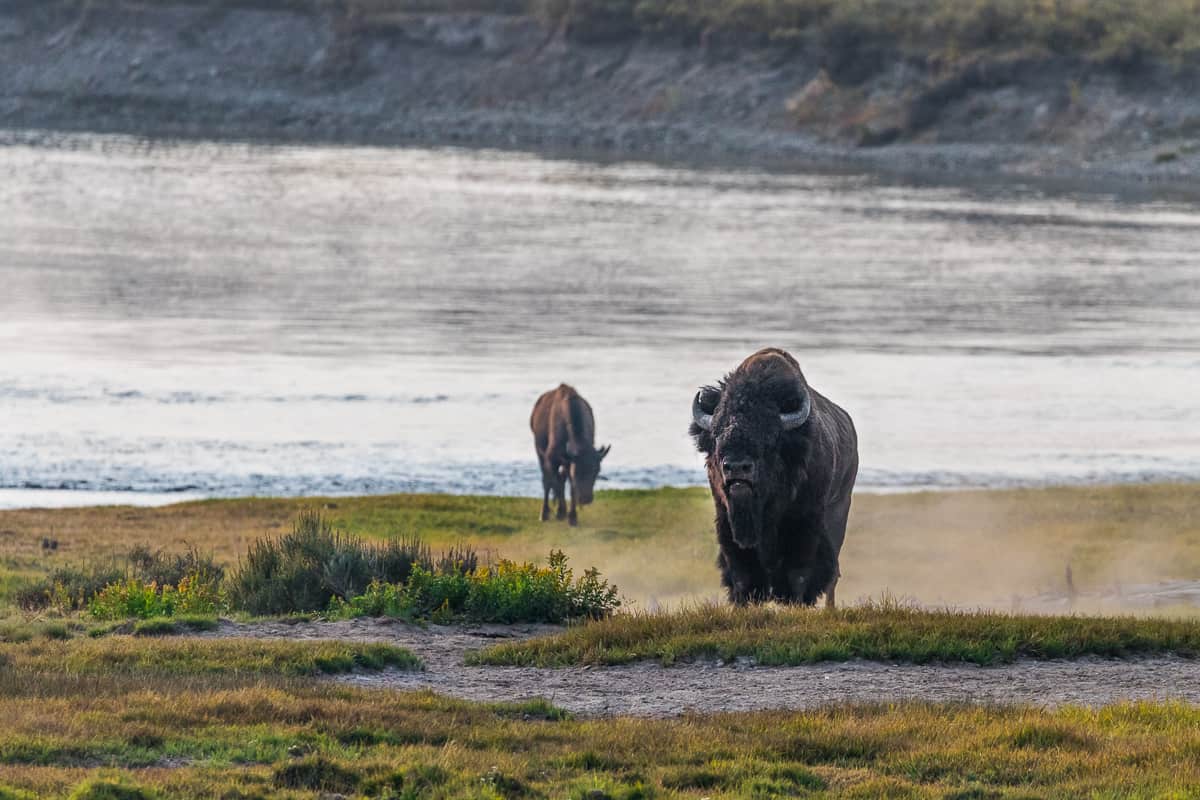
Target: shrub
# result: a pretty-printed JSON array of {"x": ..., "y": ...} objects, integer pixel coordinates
[
  {"x": 71, "y": 588},
  {"x": 68, "y": 588},
  {"x": 171, "y": 569},
  {"x": 506, "y": 593},
  {"x": 308, "y": 568},
  {"x": 195, "y": 594}
]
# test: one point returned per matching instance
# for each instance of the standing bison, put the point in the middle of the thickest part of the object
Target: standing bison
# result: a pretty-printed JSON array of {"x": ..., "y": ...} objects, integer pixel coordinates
[
  {"x": 781, "y": 460},
  {"x": 563, "y": 432}
]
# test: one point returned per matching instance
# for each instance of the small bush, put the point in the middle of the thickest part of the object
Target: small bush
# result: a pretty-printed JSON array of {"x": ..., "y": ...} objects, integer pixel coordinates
[
  {"x": 314, "y": 564},
  {"x": 195, "y": 594},
  {"x": 73, "y": 588},
  {"x": 171, "y": 569},
  {"x": 505, "y": 593},
  {"x": 68, "y": 588}
]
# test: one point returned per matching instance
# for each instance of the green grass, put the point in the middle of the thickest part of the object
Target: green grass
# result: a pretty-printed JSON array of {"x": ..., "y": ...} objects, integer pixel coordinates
[
  {"x": 119, "y": 655},
  {"x": 973, "y": 548},
  {"x": 887, "y": 632}
]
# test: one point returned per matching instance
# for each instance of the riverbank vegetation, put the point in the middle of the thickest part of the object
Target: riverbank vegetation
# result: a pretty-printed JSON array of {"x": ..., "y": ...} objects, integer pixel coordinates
[
  {"x": 1107, "y": 31},
  {"x": 856, "y": 37}
]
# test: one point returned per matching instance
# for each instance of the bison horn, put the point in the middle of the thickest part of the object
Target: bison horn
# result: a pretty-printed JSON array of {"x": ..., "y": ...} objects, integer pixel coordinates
[
  {"x": 699, "y": 415},
  {"x": 797, "y": 418}
]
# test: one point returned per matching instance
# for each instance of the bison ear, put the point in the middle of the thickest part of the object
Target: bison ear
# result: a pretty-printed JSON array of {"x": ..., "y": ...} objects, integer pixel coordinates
[{"x": 602, "y": 452}]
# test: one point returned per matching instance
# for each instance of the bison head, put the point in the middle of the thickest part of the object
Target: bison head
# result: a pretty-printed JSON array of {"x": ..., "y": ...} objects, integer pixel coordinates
[
  {"x": 585, "y": 469},
  {"x": 750, "y": 427}
]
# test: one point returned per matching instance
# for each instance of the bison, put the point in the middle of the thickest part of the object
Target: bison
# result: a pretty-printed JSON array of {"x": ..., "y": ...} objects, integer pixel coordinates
[
  {"x": 563, "y": 431},
  {"x": 782, "y": 460}
]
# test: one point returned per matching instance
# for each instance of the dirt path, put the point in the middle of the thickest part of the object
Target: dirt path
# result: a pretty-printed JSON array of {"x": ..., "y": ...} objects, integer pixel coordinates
[{"x": 652, "y": 690}]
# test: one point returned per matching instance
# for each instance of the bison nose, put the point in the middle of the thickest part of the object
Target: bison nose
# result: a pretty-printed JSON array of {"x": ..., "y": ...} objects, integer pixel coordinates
[{"x": 737, "y": 470}]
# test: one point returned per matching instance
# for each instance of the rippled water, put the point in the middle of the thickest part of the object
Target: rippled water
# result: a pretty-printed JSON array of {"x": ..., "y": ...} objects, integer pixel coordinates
[{"x": 200, "y": 320}]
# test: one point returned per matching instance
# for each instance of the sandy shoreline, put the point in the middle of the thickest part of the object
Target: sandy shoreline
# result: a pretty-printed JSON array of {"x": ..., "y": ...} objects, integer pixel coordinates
[{"x": 492, "y": 81}]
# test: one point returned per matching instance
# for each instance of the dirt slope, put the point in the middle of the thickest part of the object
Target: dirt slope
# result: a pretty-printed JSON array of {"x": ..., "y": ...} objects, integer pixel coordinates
[{"x": 231, "y": 70}]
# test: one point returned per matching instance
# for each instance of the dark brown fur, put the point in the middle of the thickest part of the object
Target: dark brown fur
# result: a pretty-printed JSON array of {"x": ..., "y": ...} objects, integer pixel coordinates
[
  {"x": 781, "y": 539},
  {"x": 564, "y": 430}
]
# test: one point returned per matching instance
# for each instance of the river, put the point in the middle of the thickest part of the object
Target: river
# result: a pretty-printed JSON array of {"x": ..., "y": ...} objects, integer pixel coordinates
[{"x": 196, "y": 320}]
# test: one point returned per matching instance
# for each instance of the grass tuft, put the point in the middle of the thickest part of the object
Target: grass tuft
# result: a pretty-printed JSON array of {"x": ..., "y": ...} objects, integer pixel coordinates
[
  {"x": 877, "y": 632},
  {"x": 316, "y": 775},
  {"x": 109, "y": 789},
  {"x": 117, "y": 656}
]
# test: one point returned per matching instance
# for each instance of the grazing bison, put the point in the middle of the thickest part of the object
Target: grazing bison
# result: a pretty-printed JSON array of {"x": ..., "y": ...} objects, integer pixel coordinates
[
  {"x": 781, "y": 460},
  {"x": 563, "y": 431}
]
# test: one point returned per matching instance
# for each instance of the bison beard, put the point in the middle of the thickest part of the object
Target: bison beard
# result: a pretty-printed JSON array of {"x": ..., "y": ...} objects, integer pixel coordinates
[
  {"x": 782, "y": 460},
  {"x": 745, "y": 515}
]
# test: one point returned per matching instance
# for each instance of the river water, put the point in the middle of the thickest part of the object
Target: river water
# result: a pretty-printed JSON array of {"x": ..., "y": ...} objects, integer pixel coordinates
[{"x": 221, "y": 320}]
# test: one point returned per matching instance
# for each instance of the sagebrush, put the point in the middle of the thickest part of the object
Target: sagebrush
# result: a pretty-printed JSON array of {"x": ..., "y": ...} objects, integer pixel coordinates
[{"x": 308, "y": 568}]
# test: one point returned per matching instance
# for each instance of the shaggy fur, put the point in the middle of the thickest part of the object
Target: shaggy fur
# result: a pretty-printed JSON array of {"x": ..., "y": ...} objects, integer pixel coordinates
[
  {"x": 563, "y": 433},
  {"x": 780, "y": 538}
]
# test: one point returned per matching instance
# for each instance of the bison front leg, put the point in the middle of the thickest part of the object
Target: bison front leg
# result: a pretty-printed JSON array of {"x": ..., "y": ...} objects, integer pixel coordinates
[
  {"x": 560, "y": 492},
  {"x": 829, "y": 601},
  {"x": 740, "y": 578}
]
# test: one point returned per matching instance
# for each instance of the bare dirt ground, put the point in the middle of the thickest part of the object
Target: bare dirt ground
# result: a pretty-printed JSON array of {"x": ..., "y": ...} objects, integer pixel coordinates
[{"x": 649, "y": 689}]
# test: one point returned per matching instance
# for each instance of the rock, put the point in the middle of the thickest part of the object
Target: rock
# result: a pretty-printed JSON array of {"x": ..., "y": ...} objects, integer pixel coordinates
[{"x": 814, "y": 90}]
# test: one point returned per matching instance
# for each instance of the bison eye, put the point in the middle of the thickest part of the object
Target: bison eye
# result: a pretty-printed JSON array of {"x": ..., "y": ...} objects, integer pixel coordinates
[
  {"x": 789, "y": 405},
  {"x": 708, "y": 399}
]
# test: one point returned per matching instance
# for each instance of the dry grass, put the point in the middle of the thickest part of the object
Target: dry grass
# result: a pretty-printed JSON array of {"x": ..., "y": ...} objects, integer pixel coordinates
[
  {"x": 972, "y": 548},
  {"x": 171, "y": 738},
  {"x": 789, "y": 636}
]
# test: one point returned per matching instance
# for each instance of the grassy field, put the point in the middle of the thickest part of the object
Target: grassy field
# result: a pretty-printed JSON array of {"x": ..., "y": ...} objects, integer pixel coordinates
[
  {"x": 789, "y": 636},
  {"x": 658, "y": 547},
  {"x": 126, "y": 728},
  {"x": 92, "y": 713}
]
